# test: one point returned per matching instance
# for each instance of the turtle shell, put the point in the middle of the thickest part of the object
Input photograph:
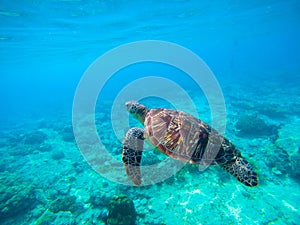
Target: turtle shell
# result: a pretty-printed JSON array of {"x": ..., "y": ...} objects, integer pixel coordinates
[{"x": 178, "y": 134}]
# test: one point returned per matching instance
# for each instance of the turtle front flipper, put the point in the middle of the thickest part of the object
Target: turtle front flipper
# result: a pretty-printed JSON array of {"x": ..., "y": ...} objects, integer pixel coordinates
[
  {"x": 132, "y": 153},
  {"x": 241, "y": 169}
]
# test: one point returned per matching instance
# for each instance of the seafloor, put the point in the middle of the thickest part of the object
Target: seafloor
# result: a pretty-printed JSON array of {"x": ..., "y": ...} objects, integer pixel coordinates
[{"x": 45, "y": 180}]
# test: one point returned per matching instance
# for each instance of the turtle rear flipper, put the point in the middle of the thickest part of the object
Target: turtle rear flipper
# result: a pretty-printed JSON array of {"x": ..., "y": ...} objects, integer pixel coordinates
[
  {"x": 241, "y": 169},
  {"x": 132, "y": 154}
]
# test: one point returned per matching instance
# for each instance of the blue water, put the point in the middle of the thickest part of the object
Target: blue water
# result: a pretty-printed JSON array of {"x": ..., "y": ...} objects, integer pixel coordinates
[{"x": 252, "y": 48}]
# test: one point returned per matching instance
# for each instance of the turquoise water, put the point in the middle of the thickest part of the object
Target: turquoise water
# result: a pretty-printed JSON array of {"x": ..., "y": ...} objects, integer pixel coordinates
[{"x": 253, "y": 50}]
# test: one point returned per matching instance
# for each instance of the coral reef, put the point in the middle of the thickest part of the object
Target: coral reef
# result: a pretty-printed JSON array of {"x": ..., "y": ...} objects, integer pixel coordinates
[
  {"x": 67, "y": 134},
  {"x": 254, "y": 126},
  {"x": 99, "y": 199},
  {"x": 28, "y": 143},
  {"x": 45, "y": 180},
  {"x": 272, "y": 110},
  {"x": 57, "y": 155},
  {"x": 79, "y": 167},
  {"x": 35, "y": 138},
  {"x": 121, "y": 210},
  {"x": 288, "y": 136},
  {"x": 45, "y": 218},
  {"x": 295, "y": 165},
  {"x": 44, "y": 147},
  {"x": 278, "y": 160},
  {"x": 67, "y": 203},
  {"x": 17, "y": 196}
]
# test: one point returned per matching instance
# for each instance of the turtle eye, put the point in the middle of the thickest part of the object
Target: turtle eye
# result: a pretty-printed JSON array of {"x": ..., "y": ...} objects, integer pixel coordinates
[{"x": 133, "y": 109}]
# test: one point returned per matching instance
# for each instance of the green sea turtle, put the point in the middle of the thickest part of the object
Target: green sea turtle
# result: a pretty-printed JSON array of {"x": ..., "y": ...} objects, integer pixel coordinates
[{"x": 181, "y": 137}]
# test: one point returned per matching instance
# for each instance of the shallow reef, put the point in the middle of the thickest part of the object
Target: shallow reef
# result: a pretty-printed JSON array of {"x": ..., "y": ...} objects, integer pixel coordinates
[
  {"x": 57, "y": 155},
  {"x": 121, "y": 210},
  {"x": 44, "y": 179},
  {"x": 17, "y": 196},
  {"x": 67, "y": 134},
  {"x": 34, "y": 138},
  {"x": 278, "y": 161},
  {"x": 22, "y": 144},
  {"x": 67, "y": 203},
  {"x": 254, "y": 126},
  {"x": 274, "y": 111},
  {"x": 295, "y": 165}
]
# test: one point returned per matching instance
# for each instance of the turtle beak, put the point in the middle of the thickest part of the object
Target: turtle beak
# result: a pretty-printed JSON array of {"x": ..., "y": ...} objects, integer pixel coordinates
[
  {"x": 127, "y": 105},
  {"x": 130, "y": 106}
]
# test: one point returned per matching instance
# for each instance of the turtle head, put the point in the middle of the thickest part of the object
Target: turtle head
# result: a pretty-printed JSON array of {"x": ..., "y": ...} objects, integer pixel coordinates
[{"x": 137, "y": 109}]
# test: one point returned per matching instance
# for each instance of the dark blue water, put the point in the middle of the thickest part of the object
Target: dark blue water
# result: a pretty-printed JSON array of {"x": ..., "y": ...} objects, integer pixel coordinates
[
  {"x": 252, "y": 48},
  {"x": 47, "y": 45}
]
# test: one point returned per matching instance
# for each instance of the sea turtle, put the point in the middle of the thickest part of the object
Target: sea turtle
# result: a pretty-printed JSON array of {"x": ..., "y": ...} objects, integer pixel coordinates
[{"x": 181, "y": 137}]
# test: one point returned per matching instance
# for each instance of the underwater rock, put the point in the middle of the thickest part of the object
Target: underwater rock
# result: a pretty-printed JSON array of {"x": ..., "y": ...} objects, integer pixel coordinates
[
  {"x": 21, "y": 151},
  {"x": 170, "y": 180},
  {"x": 288, "y": 136},
  {"x": 272, "y": 111},
  {"x": 45, "y": 218},
  {"x": 67, "y": 203},
  {"x": 62, "y": 186},
  {"x": 254, "y": 126},
  {"x": 17, "y": 196},
  {"x": 295, "y": 165},
  {"x": 67, "y": 137},
  {"x": 35, "y": 138},
  {"x": 79, "y": 167},
  {"x": 67, "y": 134},
  {"x": 144, "y": 202},
  {"x": 15, "y": 139},
  {"x": 63, "y": 218},
  {"x": 44, "y": 148},
  {"x": 121, "y": 210},
  {"x": 279, "y": 161},
  {"x": 105, "y": 184},
  {"x": 103, "y": 216},
  {"x": 99, "y": 199},
  {"x": 21, "y": 145},
  {"x": 57, "y": 155}
]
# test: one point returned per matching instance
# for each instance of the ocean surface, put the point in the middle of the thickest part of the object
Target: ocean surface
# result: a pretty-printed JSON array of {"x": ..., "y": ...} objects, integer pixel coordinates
[{"x": 63, "y": 115}]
